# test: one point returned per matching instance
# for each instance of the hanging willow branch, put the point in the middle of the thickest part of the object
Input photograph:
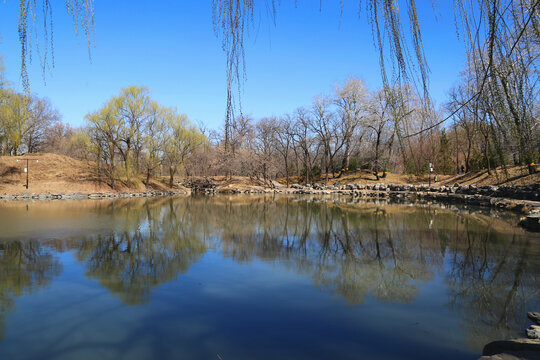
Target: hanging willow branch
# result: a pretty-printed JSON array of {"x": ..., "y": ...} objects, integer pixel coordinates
[
  {"x": 478, "y": 22},
  {"x": 232, "y": 19},
  {"x": 82, "y": 12}
]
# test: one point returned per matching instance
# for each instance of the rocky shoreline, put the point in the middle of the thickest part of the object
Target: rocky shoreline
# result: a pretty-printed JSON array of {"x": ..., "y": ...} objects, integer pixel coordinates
[
  {"x": 521, "y": 199},
  {"x": 526, "y": 192},
  {"x": 82, "y": 196}
]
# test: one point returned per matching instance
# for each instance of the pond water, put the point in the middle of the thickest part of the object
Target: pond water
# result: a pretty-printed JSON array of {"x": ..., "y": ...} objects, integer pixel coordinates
[{"x": 247, "y": 277}]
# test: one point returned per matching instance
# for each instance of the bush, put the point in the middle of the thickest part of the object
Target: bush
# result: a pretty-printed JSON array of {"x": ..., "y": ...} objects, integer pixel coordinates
[
  {"x": 353, "y": 164},
  {"x": 314, "y": 173}
]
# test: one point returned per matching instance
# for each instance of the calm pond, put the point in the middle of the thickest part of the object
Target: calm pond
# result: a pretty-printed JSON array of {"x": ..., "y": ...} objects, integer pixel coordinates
[{"x": 247, "y": 277}]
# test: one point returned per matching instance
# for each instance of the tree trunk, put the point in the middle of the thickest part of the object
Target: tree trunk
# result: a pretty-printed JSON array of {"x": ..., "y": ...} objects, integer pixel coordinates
[
  {"x": 171, "y": 176},
  {"x": 377, "y": 144},
  {"x": 287, "y": 170}
]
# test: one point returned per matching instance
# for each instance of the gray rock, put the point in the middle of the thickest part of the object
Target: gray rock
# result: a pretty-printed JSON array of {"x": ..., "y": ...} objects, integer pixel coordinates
[
  {"x": 534, "y": 316},
  {"x": 522, "y": 348},
  {"x": 502, "y": 357},
  {"x": 533, "y": 332},
  {"x": 532, "y": 223}
]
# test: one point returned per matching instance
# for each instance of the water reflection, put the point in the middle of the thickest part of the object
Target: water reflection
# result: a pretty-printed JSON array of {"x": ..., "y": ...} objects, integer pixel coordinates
[
  {"x": 152, "y": 249},
  {"x": 489, "y": 269},
  {"x": 25, "y": 267},
  {"x": 493, "y": 285}
]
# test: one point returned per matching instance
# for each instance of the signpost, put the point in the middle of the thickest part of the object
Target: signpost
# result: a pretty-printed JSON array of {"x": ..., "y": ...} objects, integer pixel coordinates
[
  {"x": 27, "y": 169},
  {"x": 430, "y": 171}
]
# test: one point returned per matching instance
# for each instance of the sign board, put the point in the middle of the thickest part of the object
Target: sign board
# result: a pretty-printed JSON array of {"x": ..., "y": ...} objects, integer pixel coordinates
[{"x": 25, "y": 170}]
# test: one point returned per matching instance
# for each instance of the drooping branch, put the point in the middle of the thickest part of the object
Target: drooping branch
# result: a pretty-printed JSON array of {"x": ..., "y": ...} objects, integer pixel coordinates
[{"x": 82, "y": 12}]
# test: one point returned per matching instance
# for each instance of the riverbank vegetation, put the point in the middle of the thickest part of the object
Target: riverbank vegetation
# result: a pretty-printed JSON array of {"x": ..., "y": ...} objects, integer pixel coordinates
[{"x": 132, "y": 140}]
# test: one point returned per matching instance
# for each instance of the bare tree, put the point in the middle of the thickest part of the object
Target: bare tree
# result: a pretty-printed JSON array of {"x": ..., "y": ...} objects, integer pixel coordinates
[
  {"x": 284, "y": 142},
  {"x": 351, "y": 100}
]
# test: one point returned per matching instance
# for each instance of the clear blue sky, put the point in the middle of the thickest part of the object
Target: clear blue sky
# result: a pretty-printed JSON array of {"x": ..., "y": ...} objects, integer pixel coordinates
[{"x": 170, "y": 47}]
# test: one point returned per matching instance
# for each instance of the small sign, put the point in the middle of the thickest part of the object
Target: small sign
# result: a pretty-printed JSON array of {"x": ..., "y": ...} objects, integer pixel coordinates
[{"x": 25, "y": 170}]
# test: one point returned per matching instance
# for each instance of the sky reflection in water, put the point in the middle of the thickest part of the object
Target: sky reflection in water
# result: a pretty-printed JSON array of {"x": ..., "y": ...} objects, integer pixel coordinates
[{"x": 260, "y": 277}]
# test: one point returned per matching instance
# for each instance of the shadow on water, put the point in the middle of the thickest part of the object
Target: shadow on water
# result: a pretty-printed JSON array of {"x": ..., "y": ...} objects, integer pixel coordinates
[{"x": 363, "y": 252}]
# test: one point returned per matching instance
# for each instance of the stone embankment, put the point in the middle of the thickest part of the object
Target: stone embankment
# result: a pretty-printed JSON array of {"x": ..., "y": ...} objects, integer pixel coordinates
[
  {"x": 526, "y": 192},
  {"x": 517, "y": 198},
  {"x": 524, "y": 348},
  {"x": 81, "y": 196}
]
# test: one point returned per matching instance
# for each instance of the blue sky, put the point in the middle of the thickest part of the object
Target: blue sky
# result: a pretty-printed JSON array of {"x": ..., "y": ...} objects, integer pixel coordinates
[{"x": 170, "y": 47}]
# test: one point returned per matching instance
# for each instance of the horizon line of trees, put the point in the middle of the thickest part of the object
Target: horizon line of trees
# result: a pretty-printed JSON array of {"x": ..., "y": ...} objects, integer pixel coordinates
[{"x": 133, "y": 139}]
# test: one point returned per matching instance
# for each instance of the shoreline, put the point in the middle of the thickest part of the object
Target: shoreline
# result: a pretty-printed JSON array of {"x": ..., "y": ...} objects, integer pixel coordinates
[
  {"x": 515, "y": 199},
  {"x": 86, "y": 196}
]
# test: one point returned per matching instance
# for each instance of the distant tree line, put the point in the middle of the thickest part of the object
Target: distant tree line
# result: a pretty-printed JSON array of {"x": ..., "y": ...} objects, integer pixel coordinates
[
  {"x": 130, "y": 136},
  {"x": 352, "y": 128},
  {"x": 381, "y": 131},
  {"x": 132, "y": 139}
]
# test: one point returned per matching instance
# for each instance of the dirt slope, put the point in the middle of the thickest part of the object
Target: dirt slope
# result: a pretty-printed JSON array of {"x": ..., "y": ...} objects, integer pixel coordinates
[
  {"x": 513, "y": 175},
  {"x": 61, "y": 174},
  {"x": 54, "y": 174}
]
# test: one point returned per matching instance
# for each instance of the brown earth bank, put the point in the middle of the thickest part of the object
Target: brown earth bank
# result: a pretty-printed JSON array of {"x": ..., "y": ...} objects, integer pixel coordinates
[
  {"x": 57, "y": 174},
  {"x": 54, "y": 173}
]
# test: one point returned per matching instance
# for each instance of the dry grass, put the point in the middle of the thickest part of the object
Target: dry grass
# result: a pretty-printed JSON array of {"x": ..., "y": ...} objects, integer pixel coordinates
[
  {"x": 513, "y": 175},
  {"x": 365, "y": 178},
  {"x": 61, "y": 174},
  {"x": 55, "y": 173}
]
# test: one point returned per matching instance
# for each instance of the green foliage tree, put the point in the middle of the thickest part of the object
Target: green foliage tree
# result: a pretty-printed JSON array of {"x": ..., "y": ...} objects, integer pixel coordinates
[
  {"x": 444, "y": 163},
  {"x": 181, "y": 140},
  {"x": 134, "y": 133},
  {"x": 23, "y": 122}
]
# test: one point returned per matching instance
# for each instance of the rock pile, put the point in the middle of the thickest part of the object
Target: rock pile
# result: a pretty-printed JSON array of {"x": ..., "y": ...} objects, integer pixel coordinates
[
  {"x": 200, "y": 185},
  {"x": 526, "y": 192}
]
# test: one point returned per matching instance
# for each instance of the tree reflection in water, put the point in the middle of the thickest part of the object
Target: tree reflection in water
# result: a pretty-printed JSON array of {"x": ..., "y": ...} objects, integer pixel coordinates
[
  {"x": 491, "y": 268},
  {"x": 152, "y": 249},
  {"x": 493, "y": 281},
  {"x": 355, "y": 251},
  {"x": 25, "y": 267}
]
